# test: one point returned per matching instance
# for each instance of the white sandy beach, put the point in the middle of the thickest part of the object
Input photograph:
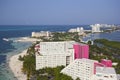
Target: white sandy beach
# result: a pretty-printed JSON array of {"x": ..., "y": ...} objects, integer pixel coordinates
[
  {"x": 16, "y": 65},
  {"x": 27, "y": 39}
]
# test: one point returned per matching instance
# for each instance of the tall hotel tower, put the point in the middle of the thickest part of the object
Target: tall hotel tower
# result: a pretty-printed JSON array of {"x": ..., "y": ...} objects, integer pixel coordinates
[
  {"x": 52, "y": 54},
  {"x": 81, "y": 51}
]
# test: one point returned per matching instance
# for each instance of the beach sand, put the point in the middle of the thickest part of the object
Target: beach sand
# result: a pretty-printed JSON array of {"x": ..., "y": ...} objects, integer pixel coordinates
[
  {"x": 27, "y": 39},
  {"x": 16, "y": 66}
]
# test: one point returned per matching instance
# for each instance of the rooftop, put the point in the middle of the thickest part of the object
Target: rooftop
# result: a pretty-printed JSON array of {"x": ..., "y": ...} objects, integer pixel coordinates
[
  {"x": 80, "y": 44},
  {"x": 106, "y": 70},
  {"x": 86, "y": 60}
]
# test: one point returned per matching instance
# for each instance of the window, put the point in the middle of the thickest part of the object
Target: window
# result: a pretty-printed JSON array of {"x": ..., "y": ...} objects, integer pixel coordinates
[
  {"x": 111, "y": 76},
  {"x": 106, "y": 76}
]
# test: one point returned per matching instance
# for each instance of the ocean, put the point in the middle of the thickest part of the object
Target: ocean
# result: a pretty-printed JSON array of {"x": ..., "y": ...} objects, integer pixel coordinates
[{"x": 9, "y": 48}]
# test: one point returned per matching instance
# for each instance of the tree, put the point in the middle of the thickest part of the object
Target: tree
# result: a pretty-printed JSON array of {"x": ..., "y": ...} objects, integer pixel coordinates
[
  {"x": 20, "y": 58},
  {"x": 29, "y": 65},
  {"x": 89, "y": 42},
  {"x": 77, "y": 78},
  {"x": 42, "y": 78}
]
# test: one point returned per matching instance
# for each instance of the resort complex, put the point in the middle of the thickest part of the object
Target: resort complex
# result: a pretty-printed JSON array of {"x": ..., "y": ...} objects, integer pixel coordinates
[
  {"x": 79, "y": 30},
  {"x": 65, "y": 56},
  {"x": 59, "y": 40},
  {"x": 75, "y": 57}
]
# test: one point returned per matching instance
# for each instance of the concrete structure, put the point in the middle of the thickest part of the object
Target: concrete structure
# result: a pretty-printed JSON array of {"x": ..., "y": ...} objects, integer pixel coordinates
[
  {"x": 52, "y": 54},
  {"x": 105, "y": 73},
  {"x": 87, "y": 69},
  {"x": 95, "y": 28},
  {"x": 104, "y": 63},
  {"x": 41, "y": 34},
  {"x": 81, "y": 51},
  {"x": 107, "y": 63},
  {"x": 97, "y": 65},
  {"x": 80, "y": 30},
  {"x": 50, "y": 60},
  {"x": 80, "y": 68},
  {"x": 118, "y": 76}
]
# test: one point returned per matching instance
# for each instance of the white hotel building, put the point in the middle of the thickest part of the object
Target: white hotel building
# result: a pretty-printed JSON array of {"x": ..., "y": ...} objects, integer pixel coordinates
[
  {"x": 85, "y": 70},
  {"x": 80, "y": 30},
  {"x": 81, "y": 68},
  {"x": 96, "y": 28},
  {"x": 52, "y": 54},
  {"x": 41, "y": 34}
]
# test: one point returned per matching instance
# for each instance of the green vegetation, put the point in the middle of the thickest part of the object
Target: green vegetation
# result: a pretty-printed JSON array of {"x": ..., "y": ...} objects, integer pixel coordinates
[
  {"x": 29, "y": 65},
  {"x": 66, "y": 36},
  {"x": 56, "y": 36},
  {"x": 52, "y": 74},
  {"x": 78, "y": 79},
  {"x": 29, "y": 62},
  {"x": 112, "y": 44}
]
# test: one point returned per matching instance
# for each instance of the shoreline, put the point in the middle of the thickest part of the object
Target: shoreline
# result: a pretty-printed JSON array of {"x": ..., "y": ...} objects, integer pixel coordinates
[
  {"x": 27, "y": 39},
  {"x": 16, "y": 66}
]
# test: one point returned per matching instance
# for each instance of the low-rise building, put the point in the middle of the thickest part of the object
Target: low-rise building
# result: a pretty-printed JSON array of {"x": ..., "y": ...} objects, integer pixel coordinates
[
  {"x": 41, "y": 34},
  {"x": 105, "y": 73},
  {"x": 80, "y": 68},
  {"x": 87, "y": 69}
]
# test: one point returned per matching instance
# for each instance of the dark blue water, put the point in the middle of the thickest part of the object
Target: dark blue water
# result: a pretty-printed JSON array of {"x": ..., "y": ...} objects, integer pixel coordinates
[
  {"x": 8, "y": 47},
  {"x": 21, "y": 31}
]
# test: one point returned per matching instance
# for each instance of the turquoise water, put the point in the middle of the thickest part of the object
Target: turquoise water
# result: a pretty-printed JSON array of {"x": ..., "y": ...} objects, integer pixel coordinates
[{"x": 6, "y": 73}]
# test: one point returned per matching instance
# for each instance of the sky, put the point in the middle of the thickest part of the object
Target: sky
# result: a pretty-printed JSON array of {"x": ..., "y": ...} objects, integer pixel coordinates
[{"x": 59, "y": 12}]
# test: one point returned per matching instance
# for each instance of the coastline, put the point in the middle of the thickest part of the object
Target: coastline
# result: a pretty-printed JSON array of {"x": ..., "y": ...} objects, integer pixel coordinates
[
  {"x": 16, "y": 66},
  {"x": 27, "y": 39}
]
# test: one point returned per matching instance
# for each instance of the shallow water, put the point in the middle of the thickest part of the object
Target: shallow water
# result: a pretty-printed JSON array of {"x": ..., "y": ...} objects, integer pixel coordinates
[{"x": 5, "y": 72}]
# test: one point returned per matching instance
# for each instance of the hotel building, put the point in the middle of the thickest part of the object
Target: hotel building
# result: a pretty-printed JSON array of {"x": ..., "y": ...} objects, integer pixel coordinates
[
  {"x": 41, "y": 34},
  {"x": 81, "y": 51},
  {"x": 80, "y": 68},
  {"x": 80, "y": 30},
  {"x": 95, "y": 28},
  {"x": 52, "y": 54}
]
